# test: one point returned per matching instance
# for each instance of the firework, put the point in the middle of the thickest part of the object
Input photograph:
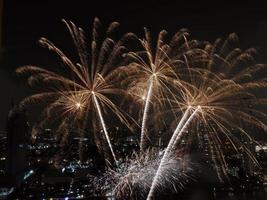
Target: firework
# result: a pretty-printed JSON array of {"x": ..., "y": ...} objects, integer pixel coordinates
[
  {"x": 225, "y": 87},
  {"x": 220, "y": 96},
  {"x": 87, "y": 86},
  {"x": 153, "y": 71},
  {"x": 133, "y": 177}
]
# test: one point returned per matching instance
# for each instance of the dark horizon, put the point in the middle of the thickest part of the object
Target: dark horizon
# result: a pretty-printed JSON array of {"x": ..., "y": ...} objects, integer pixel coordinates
[{"x": 24, "y": 22}]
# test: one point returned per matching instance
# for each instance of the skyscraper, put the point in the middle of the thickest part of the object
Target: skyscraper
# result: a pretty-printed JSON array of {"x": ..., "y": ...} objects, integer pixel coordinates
[{"x": 17, "y": 134}]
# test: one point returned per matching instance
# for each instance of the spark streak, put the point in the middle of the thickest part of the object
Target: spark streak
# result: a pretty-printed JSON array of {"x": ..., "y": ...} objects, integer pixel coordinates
[
  {"x": 178, "y": 133},
  {"x": 145, "y": 114},
  {"x": 104, "y": 126}
]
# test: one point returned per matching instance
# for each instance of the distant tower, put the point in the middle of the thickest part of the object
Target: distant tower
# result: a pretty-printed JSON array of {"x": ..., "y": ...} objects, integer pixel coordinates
[{"x": 17, "y": 137}]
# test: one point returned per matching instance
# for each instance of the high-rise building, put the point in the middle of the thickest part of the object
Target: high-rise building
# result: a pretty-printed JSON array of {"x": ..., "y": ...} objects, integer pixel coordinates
[
  {"x": 17, "y": 137},
  {"x": 16, "y": 164}
]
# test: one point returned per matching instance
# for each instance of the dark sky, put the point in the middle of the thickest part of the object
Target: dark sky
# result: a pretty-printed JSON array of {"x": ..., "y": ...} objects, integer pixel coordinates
[{"x": 24, "y": 22}]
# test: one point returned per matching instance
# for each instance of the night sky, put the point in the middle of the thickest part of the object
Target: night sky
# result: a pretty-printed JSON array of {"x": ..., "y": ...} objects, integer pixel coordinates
[{"x": 24, "y": 22}]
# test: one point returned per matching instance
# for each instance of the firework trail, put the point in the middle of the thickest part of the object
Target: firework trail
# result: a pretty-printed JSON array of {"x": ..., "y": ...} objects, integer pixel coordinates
[
  {"x": 104, "y": 126},
  {"x": 178, "y": 132},
  {"x": 216, "y": 96},
  {"x": 85, "y": 87},
  {"x": 167, "y": 154},
  {"x": 144, "y": 119}
]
